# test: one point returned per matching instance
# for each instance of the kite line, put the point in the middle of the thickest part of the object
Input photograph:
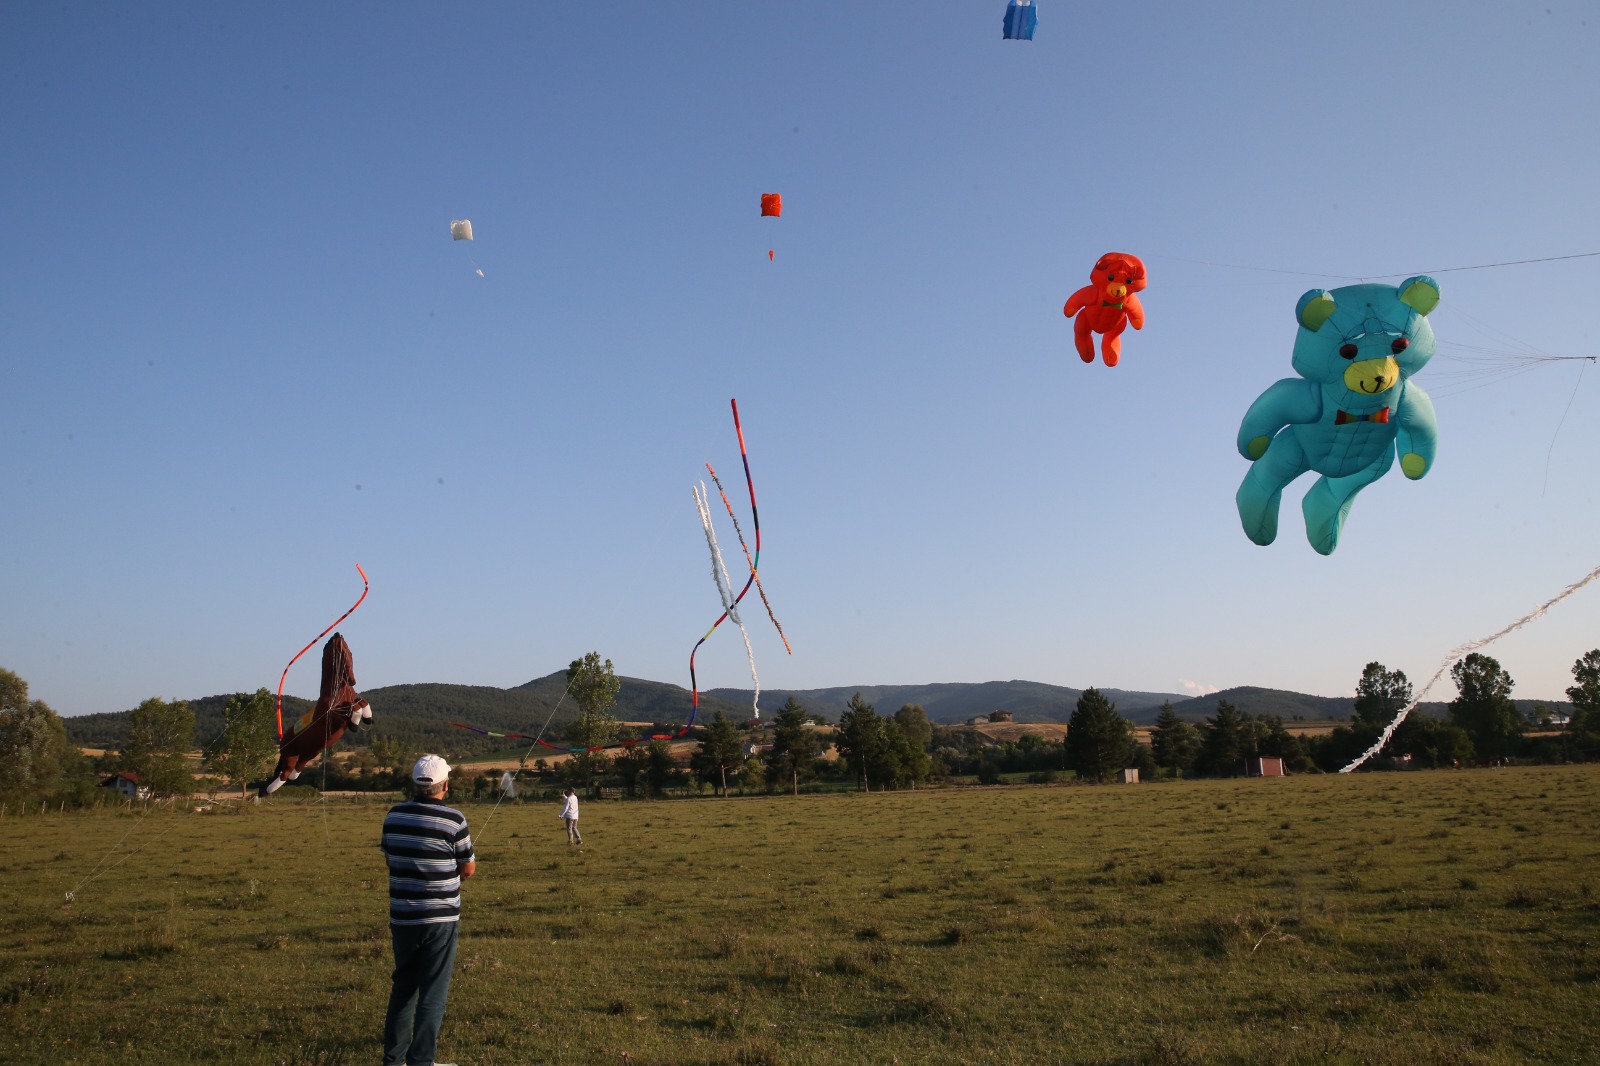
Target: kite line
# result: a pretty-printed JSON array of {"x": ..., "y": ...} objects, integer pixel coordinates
[
  {"x": 1461, "y": 652},
  {"x": 1377, "y": 277},
  {"x": 365, "y": 586}
]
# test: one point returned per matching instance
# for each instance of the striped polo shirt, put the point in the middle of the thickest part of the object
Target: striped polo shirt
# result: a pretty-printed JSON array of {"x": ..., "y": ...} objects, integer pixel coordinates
[{"x": 425, "y": 842}]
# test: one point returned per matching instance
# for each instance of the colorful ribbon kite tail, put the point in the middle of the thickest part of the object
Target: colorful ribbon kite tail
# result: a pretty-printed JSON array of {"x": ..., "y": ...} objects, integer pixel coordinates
[
  {"x": 365, "y": 586},
  {"x": 1461, "y": 652},
  {"x": 719, "y": 574},
  {"x": 749, "y": 561},
  {"x": 755, "y": 562}
]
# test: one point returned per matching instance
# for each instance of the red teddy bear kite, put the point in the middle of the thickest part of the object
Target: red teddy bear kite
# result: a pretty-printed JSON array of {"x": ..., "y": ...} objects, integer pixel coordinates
[{"x": 1108, "y": 306}]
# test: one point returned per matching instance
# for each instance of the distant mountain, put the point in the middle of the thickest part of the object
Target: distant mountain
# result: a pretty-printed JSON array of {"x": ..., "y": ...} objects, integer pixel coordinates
[
  {"x": 420, "y": 715},
  {"x": 1292, "y": 705},
  {"x": 1028, "y": 701}
]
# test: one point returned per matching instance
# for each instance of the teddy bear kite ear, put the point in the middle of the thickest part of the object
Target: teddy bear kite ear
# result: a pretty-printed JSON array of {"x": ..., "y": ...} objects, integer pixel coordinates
[
  {"x": 1420, "y": 293},
  {"x": 1315, "y": 308}
]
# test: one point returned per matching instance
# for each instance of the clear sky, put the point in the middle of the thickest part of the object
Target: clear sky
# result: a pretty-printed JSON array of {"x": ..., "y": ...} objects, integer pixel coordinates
[{"x": 241, "y": 353}]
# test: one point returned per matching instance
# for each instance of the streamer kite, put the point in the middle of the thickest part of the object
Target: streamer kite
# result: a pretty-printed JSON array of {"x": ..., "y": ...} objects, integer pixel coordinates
[
  {"x": 1352, "y": 407},
  {"x": 731, "y": 605},
  {"x": 1460, "y": 653},
  {"x": 719, "y": 574},
  {"x": 1107, "y": 305}
]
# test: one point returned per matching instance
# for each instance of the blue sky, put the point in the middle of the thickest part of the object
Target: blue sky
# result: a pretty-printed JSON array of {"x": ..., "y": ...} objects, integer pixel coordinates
[{"x": 241, "y": 353}]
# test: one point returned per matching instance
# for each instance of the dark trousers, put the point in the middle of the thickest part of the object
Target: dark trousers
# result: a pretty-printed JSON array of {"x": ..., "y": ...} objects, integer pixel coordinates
[{"x": 424, "y": 955}]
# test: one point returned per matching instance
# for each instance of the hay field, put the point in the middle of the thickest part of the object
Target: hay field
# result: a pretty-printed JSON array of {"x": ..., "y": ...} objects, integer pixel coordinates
[{"x": 1377, "y": 918}]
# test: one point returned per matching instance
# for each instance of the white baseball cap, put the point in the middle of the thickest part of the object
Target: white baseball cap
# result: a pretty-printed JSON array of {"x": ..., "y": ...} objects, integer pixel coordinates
[{"x": 430, "y": 770}]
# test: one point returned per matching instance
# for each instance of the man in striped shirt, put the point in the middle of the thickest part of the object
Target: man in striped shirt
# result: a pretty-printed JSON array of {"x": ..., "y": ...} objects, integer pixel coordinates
[{"x": 429, "y": 855}]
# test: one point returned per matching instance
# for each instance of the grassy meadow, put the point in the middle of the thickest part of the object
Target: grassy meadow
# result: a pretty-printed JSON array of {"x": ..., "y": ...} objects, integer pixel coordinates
[{"x": 1375, "y": 918}]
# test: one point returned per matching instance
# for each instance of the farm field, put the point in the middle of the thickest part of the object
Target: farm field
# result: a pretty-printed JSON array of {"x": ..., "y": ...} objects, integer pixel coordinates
[{"x": 1375, "y": 918}]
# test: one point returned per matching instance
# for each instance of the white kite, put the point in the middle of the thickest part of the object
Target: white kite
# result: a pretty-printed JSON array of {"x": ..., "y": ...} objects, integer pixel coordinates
[{"x": 461, "y": 230}]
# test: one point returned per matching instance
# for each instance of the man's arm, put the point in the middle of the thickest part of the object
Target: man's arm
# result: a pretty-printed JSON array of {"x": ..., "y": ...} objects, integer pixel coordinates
[{"x": 467, "y": 869}]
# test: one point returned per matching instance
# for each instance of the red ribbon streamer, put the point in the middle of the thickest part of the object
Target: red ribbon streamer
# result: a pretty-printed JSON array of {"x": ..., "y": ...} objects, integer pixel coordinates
[{"x": 365, "y": 585}]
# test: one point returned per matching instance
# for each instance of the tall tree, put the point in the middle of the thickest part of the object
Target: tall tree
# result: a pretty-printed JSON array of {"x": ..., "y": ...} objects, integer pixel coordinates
[
  {"x": 1099, "y": 740},
  {"x": 33, "y": 741},
  {"x": 658, "y": 766},
  {"x": 248, "y": 745},
  {"x": 721, "y": 750},
  {"x": 1174, "y": 743},
  {"x": 1484, "y": 708},
  {"x": 913, "y": 722},
  {"x": 631, "y": 765},
  {"x": 861, "y": 739},
  {"x": 1224, "y": 738},
  {"x": 1583, "y": 728},
  {"x": 594, "y": 686},
  {"x": 160, "y": 738},
  {"x": 905, "y": 760},
  {"x": 794, "y": 746},
  {"x": 1380, "y": 695}
]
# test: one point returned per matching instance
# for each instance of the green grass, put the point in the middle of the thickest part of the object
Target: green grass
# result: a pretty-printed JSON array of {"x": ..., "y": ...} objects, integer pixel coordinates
[{"x": 1379, "y": 918}]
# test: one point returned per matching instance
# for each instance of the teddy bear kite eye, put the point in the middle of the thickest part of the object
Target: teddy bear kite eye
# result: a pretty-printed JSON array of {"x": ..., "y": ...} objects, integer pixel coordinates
[{"x": 1348, "y": 351}]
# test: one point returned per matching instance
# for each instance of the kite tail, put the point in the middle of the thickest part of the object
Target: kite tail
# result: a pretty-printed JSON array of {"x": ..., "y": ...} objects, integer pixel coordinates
[
  {"x": 365, "y": 586},
  {"x": 749, "y": 561},
  {"x": 1458, "y": 653},
  {"x": 755, "y": 562},
  {"x": 730, "y": 603}
]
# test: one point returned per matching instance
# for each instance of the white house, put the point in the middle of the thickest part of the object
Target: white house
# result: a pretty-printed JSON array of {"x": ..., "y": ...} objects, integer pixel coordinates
[{"x": 127, "y": 785}]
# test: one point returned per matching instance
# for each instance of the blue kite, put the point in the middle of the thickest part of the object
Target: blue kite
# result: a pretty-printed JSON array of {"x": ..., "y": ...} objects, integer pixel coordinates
[
  {"x": 1022, "y": 18},
  {"x": 1352, "y": 407}
]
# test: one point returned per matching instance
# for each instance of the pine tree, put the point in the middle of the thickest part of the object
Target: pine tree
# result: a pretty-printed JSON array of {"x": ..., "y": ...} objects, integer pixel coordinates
[
  {"x": 794, "y": 747},
  {"x": 861, "y": 739},
  {"x": 1223, "y": 740},
  {"x": 1099, "y": 740},
  {"x": 1174, "y": 743},
  {"x": 721, "y": 750}
]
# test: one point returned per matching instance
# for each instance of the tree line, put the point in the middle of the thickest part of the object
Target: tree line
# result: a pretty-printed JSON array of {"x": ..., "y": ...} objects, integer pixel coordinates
[{"x": 874, "y": 751}]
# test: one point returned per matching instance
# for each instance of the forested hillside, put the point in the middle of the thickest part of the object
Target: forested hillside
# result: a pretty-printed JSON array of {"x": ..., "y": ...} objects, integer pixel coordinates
[
  {"x": 419, "y": 716},
  {"x": 1028, "y": 701}
]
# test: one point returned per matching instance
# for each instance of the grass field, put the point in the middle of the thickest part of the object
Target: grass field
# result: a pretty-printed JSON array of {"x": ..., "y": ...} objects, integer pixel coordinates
[{"x": 1375, "y": 918}]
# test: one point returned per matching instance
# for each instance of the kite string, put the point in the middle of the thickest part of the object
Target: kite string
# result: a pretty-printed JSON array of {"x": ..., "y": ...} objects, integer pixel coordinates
[
  {"x": 72, "y": 893},
  {"x": 1460, "y": 652},
  {"x": 524, "y": 759},
  {"x": 365, "y": 587},
  {"x": 1559, "y": 423},
  {"x": 1370, "y": 277}
]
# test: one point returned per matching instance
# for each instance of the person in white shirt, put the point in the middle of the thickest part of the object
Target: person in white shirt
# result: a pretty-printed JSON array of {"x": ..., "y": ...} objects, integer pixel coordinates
[{"x": 569, "y": 814}]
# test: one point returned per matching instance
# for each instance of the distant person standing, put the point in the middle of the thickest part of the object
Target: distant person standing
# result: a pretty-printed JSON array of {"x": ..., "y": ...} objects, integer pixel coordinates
[
  {"x": 569, "y": 814},
  {"x": 429, "y": 854}
]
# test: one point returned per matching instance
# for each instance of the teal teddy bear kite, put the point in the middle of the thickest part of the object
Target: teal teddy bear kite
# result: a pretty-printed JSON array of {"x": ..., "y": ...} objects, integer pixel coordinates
[{"x": 1355, "y": 352}]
